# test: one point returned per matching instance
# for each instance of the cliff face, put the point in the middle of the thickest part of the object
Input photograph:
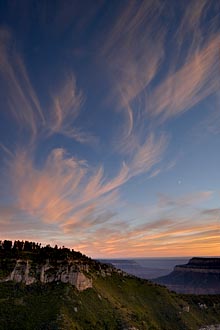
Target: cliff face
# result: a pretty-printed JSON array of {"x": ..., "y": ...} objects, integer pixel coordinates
[
  {"x": 25, "y": 272},
  {"x": 198, "y": 276},
  {"x": 201, "y": 265}
]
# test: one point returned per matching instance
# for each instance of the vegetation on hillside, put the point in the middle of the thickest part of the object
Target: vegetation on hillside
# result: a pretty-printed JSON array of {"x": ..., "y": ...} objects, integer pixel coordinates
[
  {"x": 116, "y": 301},
  {"x": 38, "y": 254}
]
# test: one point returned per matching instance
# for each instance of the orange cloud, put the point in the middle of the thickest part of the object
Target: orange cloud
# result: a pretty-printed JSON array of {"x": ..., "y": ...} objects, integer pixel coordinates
[
  {"x": 183, "y": 89},
  {"x": 63, "y": 186},
  {"x": 163, "y": 237},
  {"x": 147, "y": 155},
  {"x": 46, "y": 192},
  {"x": 65, "y": 195},
  {"x": 136, "y": 49}
]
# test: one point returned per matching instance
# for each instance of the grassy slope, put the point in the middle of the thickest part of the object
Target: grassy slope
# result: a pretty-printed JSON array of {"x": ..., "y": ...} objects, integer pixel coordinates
[
  {"x": 114, "y": 303},
  {"x": 153, "y": 307}
]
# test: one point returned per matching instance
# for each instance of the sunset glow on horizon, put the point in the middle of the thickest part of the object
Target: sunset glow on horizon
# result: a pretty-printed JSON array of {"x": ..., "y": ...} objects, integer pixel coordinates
[{"x": 110, "y": 126}]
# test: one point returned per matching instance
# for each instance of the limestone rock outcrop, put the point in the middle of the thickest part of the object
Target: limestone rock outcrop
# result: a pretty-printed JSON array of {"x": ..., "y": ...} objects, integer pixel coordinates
[
  {"x": 67, "y": 272},
  {"x": 21, "y": 273}
]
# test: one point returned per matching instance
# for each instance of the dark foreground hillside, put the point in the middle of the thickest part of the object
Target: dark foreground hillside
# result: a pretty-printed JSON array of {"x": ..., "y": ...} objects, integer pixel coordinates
[
  {"x": 113, "y": 303},
  {"x": 113, "y": 300}
]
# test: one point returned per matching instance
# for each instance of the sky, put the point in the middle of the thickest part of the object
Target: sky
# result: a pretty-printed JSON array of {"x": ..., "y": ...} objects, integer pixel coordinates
[{"x": 110, "y": 126}]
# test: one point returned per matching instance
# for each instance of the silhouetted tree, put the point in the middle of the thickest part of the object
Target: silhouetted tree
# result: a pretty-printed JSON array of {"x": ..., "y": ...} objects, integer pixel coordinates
[
  {"x": 18, "y": 245},
  {"x": 27, "y": 246},
  {"x": 7, "y": 245}
]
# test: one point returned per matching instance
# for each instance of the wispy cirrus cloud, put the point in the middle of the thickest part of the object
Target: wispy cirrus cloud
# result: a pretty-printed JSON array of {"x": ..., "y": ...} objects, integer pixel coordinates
[
  {"x": 170, "y": 233},
  {"x": 66, "y": 190},
  {"x": 45, "y": 193},
  {"x": 212, "y": 212},
  {"x": 134, "y": 50},
  {"x": 173, "y": 236},
  {"x": 21, "y": 97},
  {"x": 211, "y": 123},
  {"x": 63, "y": 191},
  {"x": 147, "y": 154},
  {"x": 151, "y": 85},
  {"x": 24, "y": 105},
  {"x": 71, "y": 198},
  {"x": 61, "y": 194},
  {"x": 66, "y": 105},
  {"x": 195, "y": 80},
  {"x": 191, "y": 199}
]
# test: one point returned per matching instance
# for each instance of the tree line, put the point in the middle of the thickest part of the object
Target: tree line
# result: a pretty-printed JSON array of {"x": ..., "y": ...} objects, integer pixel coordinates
[{"x": 20, "y": 247}]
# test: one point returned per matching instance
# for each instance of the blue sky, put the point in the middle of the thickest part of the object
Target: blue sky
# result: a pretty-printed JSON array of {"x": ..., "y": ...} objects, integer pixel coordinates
[{"x": 110, "y": 126}]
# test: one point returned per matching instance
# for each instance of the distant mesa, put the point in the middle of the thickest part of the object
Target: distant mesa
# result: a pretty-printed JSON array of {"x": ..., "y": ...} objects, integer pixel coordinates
[
  {"x": 198, "y": 276},
  {"x": 146, "y": 268}
]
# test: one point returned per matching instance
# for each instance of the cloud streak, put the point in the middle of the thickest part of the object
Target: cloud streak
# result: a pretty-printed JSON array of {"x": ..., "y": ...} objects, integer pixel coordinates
[
  {"x": 22, "y": 100},
  {"x": 24, "y": 104},
  {"x": 70, "y": 195},
  {"x": 184, "y": 201},
  {"x": 65, "y": 189},
  {"x": 65, "y": 109},
  {"x": 134, "y": 50},
  {"x": 151, "y": 85},
  {"x": 197, "y": 79}
]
